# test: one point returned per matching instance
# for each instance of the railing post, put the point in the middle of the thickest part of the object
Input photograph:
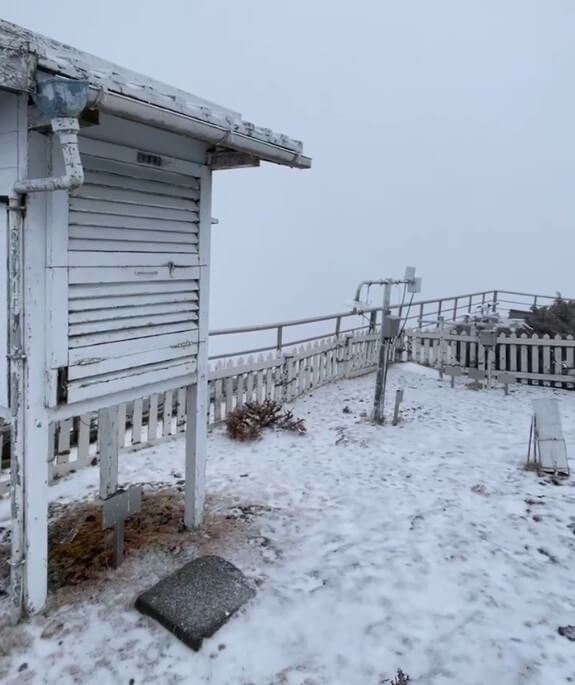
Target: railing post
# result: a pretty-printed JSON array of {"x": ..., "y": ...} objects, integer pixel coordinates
[
  {"x": 279, "y": 341},
  {"x": 373, "y": 321},
  {"x": 494, "y": 300},
  {"x": 470, "y": 304},
  {"x": 439, "y": 304},
  {"x": 337, "y": 326},
  {"x": 455, "y": 303},
  {"x": 420, "y": 315}
]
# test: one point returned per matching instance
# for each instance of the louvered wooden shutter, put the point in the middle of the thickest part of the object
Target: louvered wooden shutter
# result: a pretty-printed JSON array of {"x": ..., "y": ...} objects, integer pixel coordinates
[{"x": 133, "y": 271}]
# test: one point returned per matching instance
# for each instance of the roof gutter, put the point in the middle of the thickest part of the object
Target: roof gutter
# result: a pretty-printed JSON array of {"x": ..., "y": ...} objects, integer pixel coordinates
[{"x": 210, "y": 132}]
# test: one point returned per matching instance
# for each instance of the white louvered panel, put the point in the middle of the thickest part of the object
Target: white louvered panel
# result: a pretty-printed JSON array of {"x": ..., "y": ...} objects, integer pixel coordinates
[{"x": 133, "y": 276}]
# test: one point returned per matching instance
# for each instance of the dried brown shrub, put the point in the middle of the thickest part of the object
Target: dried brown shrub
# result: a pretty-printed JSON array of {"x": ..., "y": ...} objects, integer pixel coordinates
[{"x": 247, "y": 422}]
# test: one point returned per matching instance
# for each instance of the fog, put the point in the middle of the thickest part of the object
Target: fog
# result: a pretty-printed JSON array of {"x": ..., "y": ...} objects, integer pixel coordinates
[{"x": 441, "y": 135}]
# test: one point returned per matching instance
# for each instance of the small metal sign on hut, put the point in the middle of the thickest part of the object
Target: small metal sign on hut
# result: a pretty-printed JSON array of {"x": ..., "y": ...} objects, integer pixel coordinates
[{"x": 105, "y": 215}]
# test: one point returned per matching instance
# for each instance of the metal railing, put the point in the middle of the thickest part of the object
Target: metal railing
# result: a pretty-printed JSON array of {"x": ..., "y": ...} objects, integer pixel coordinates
[{"x": 415, "y": 314}]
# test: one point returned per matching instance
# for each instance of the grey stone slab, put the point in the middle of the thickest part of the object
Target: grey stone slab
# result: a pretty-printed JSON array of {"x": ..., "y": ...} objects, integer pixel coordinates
[{"x": 195, "y": 601}]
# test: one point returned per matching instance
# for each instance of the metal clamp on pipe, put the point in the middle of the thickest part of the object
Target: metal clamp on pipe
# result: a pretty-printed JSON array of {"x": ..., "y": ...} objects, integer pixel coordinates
[{"x": 62, "y": 101}]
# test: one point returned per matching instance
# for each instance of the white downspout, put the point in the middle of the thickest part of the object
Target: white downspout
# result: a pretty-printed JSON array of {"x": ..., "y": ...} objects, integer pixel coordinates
[{"x": 66, "y": 128}]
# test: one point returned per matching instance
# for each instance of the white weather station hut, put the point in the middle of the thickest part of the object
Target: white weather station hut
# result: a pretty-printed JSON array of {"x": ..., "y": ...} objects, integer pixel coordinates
[{"x": 105, "y": 219}]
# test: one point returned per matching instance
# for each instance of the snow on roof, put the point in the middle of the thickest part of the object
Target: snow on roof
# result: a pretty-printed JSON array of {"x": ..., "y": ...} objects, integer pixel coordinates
[{"x": 23, "y": 53}]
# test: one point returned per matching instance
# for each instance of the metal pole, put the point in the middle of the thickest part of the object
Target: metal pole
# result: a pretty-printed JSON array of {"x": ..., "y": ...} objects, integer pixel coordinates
[
  {"x": 379, "y": 398},
  {"x": 441, "y": 347}
]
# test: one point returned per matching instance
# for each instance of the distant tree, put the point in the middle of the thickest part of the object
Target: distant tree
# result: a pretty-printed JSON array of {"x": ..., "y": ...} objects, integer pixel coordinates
[{"x": 555, "y": 319}]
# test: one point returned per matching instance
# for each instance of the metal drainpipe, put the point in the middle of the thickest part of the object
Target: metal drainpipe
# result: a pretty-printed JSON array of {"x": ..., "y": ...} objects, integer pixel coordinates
[{"x": 66, "y": 128}]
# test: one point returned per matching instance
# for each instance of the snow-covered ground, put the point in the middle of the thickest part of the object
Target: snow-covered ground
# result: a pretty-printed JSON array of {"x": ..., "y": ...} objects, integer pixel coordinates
[{"x": 424, "y": 546}]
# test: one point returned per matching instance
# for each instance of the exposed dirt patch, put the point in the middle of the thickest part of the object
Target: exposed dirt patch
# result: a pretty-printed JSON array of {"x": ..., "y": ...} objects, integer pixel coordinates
[{"x": 80, "y": 551}]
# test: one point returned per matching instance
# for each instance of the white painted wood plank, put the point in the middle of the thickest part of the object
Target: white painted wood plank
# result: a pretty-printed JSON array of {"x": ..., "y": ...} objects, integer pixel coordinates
[
  {"x": 105, "y": 180},
  {"x": 84, "y": 422},
  {"x": 229, "y": 395},
  {"x": 116, "y": 323},
  {"x": 127, "y": 274},
  {"x": 167, "y": 413},
  {"x": 91, "y": 208},
  {"x": 181, "y": 410},
  {"x": 127, "y": 247},
  {"x": 218, "y": 393},
  {"x": 558, "y": 360},
  {"x": 570, "y": 353},
  {"x": 129, "y": 311},
  {"x": 151, "y": 264},
  {"x": 129, "y": 155},
  {"x": 159, "y": 238},
  {"x": 535, "y": 360},
  {"x": 137, "y": 411},
  {"x": 250, "y": 382},
  {"x": 112, "y": 189},
  {"x": 132, "y": 334},
  {"x": 122, "y": 411},
  {"x": 546, "y": 355},
  {"x": 108, "y": 449},
  {"x": 240, "y": 391},
  {"x": 86, "y": 309},
  {"x": 107, "y": 356},
  {"x": 153, "y": 418},
  {"x": 3, "y": 307},
  {"x": 85, "y": 389},
  {"x": 82, "y": 295}
]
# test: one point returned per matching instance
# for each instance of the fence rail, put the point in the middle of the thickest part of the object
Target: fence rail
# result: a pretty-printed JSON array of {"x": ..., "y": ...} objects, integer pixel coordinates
[
  {"x": 232, "y": 383},
  {"x": 283, "y": 335},
  {"x": 535, "y": 360},
  {"x": 304, "y": 354}
]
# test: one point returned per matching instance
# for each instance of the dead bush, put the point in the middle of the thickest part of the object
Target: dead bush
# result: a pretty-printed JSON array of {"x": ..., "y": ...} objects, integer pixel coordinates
[
  {"x": 247, "y": 422},
  {"x": 401, "y": 678}
]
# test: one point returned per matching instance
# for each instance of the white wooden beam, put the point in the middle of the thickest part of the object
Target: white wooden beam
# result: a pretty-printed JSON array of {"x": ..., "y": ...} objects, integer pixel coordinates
[
  {"x": 30, "y": 425},
  {"x": 109, "y": 447},
  {"x": 197, "y": 394}
]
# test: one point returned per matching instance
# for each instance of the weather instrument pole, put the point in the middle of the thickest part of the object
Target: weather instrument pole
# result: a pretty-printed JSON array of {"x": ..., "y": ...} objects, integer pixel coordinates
[{"x": 388, "y": 332}]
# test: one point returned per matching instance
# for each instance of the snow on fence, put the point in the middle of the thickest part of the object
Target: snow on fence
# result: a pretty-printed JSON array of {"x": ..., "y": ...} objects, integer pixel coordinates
[
  {"x": 232, "y": 383},
  {"x": 535, "y": 360}
]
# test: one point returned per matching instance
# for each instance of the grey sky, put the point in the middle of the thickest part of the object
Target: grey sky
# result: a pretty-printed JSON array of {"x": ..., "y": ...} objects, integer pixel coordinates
[{"x": 441, "y": 134}]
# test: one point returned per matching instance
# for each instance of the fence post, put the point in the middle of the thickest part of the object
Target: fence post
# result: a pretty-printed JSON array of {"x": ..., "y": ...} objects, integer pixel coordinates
[
  {"x": 421, "y": 315},
  {"x": 373, "y": 321},
  {"x": 279, "y": 341},
  {"x": 347, "y": 356},
  {"x": 286, "y": 378},
  {"x": 455, "y": 303},
  {"x": 337, "y": 326}
]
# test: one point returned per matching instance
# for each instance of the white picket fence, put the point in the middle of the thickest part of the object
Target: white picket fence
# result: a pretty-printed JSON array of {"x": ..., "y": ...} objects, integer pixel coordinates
[
  {"x": 232, "y": 383},
  {"x": 535, "y": 360}
]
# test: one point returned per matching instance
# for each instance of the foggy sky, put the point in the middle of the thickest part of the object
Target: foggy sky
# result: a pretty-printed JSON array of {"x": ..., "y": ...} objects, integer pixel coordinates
[{"x": 441, "y": 134}]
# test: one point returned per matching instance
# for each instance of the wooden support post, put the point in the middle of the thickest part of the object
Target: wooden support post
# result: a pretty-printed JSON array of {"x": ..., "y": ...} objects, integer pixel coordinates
[
  {"x": 108, "y": 447},
  {"x": 398, "y": 401},
  {"x": 30, "y": 426},
  {"x": 196, "y": 444}
]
